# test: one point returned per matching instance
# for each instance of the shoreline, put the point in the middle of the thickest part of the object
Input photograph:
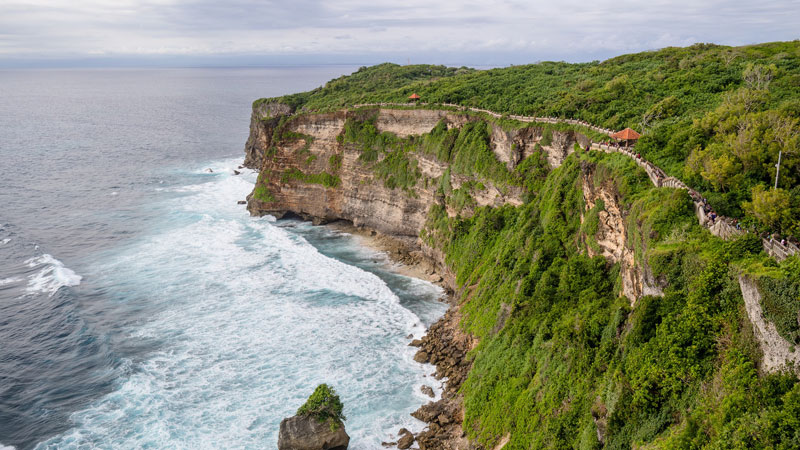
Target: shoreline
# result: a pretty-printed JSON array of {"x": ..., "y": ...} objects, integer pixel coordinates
[
  {"x": 444, "y": 344},
  {"x": 404, "y": 260}
]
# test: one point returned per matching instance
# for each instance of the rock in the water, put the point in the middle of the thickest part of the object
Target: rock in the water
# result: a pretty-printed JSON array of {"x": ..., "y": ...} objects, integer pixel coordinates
[
  {"x": 427, "y": 390},
  {"x": 209, "y": 171},
  {"x": 236, "y": 172},
  {"x": 308, "y": 433},
  {"x": 415, "y": 343},
  {"x": 406, "y": 439},
  {"x": 241, "y": 202},
  {"x": 421, "y": 357}
]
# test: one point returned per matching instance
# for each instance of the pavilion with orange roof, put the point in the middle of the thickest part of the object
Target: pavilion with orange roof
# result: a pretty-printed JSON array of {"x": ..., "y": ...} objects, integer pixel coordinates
[{"x": 627, "y": 135}]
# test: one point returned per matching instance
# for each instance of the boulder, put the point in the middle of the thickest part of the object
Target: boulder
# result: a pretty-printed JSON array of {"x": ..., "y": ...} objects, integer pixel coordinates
[
  {"x": 308, "y": 433},
  {"x": 236, "y": 172},
  {"x": 406, "y": 439},
  {"x": 241, "y": 202},
  {"x": 427, "y": 390}
]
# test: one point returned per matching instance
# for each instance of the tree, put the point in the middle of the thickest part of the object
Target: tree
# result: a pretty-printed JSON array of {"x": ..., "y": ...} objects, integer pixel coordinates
[
  {"x": 784, "y": 133},
  {"x": 758, "y": 76},
  {"x": 772, "y": 207}
]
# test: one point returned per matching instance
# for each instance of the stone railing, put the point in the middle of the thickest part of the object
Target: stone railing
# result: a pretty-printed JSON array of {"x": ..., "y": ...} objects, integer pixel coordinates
[
  {"x": 779, "y": 251},
  {"x": 720, "y": 226}
]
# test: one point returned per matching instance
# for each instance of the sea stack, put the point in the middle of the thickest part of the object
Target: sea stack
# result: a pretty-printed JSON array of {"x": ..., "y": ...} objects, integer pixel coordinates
[{"x": 318, "y": 424}]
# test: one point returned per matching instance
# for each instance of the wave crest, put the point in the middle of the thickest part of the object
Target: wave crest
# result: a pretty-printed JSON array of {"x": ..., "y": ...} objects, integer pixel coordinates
[{"x": 51, "y": 276}]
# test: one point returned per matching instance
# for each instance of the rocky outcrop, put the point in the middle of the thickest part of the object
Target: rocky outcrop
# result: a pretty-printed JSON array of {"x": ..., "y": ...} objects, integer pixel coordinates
[
  {"x": 359, "y": 196},
  {"x": 405, "y": 440},
  {"x": 263, "y": 120},
  {"x": 308, "y": 433},
  {"x": 778, "y": 354},
  {"x": 611, "y": 238},
  {"x": 445, "y": 345}
]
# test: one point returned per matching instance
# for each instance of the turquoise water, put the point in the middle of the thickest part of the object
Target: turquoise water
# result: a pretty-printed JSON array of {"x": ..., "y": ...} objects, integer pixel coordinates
[{"x": 142, "y": 307}]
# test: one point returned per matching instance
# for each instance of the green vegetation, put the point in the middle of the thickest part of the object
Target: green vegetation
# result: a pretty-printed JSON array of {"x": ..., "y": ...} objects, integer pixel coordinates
[
  {"x": 385, "y": 153},
  {"x": 369, "y": 85},
  {"x": 677, "y": 371},
  {"x": 781, "y": 299},
  {"x": 714, "y": 116},
  {"x": 261, "y": 193},
  {"x": 466, "y": 150},
  {"x": 323, "y": 178},
  {"x": 325, "y": 406}
]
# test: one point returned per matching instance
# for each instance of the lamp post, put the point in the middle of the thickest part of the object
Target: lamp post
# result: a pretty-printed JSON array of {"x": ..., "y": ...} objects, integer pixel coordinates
[{"x": 778, "y": 168}]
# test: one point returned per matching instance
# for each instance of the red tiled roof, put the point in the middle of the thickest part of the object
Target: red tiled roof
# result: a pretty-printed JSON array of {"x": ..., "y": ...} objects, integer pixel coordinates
[
  {"x": 414, "y": 96},
  {"x": 626, "y": 134}
]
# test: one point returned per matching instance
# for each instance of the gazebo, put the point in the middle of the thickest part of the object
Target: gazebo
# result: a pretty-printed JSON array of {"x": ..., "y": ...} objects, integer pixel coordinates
[
  {"x": 414, "y": 97},
  {"x": 627, "y": 135}
]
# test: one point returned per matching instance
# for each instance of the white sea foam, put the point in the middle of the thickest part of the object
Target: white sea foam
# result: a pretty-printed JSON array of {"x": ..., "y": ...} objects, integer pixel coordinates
[
  {"x": 6, "y": 281},
  {"x": 51, "y": 275},
  {"x": 252, "y": 317},
  {"x": 6, "y": 447},
  {"x": 4, "y": 242}
]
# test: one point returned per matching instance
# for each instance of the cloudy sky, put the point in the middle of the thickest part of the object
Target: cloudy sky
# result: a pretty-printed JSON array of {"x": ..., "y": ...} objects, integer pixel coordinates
[{"x": 485, "y": 32}]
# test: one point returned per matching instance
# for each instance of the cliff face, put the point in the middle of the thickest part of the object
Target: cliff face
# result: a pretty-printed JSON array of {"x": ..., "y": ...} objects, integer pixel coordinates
[
  {"x": 611, "y": 237},
  {"x": 263, "y": 121},
  {"x": 778, "y": 354},
  {"x": 354, "y": 193}
]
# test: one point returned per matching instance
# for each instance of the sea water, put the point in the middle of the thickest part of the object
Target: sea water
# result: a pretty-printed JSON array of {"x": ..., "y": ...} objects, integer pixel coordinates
[{"x": 141, "y": 306}]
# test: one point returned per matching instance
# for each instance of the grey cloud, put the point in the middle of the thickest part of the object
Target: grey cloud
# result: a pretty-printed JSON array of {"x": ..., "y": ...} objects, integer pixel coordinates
[{"x": 530, "y": 30}]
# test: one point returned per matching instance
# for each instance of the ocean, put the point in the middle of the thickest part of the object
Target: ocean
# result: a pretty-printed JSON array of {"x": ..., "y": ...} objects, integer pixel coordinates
[{"x": 142, "y": 307}]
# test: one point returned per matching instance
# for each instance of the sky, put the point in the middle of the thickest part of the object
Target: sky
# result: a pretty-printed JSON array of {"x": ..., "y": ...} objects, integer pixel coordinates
[{"x": 454, "y": 32}]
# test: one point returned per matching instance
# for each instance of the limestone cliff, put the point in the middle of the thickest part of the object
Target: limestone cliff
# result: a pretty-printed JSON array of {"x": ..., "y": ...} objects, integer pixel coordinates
[
  {"x": 263, "y": 121},
  {"x": 778, "y": 354},
  {"x": 354, "y": 193},
  {"x": 611, "y": 237},
  {"x": 307, "y": 169}
]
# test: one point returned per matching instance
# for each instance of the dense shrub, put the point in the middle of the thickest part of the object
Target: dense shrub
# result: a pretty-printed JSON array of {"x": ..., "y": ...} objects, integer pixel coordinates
[{"x": 325, "y": 406}]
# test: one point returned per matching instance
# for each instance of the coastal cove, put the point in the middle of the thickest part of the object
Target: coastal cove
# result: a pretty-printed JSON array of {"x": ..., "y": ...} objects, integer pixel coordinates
[{"x": 151, "y": 309}]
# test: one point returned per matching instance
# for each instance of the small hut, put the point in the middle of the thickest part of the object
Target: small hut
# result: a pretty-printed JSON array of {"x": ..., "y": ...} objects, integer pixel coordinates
[
  {"x": 414, "y": 97},
  {"x": 626, "y": 136}
]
